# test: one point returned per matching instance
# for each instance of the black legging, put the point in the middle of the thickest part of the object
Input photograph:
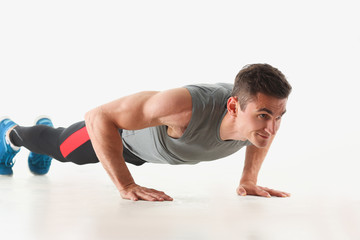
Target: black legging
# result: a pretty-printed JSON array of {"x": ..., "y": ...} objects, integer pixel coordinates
[{"x": 70, "y": 144}]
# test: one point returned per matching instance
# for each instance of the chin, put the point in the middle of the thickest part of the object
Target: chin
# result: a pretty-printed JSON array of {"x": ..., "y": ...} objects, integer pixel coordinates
[{"x": 259, "y": 143}]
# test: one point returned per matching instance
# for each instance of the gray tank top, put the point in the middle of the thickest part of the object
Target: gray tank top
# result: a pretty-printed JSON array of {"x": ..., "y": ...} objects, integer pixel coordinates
[{"x": 201, "y": 140}]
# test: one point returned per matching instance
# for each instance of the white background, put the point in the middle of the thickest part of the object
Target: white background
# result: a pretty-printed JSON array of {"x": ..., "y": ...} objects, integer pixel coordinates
[{"x": 63, "y": 58}]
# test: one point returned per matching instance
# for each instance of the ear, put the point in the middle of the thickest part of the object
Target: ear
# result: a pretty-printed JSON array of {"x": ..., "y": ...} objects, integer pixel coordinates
[{"x": 232, "y": 106}]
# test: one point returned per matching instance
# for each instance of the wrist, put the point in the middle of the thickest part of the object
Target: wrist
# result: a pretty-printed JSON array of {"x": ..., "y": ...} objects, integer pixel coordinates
[
  {"x": 123, "y": 187},
  {"x": 245, "y": 180}
]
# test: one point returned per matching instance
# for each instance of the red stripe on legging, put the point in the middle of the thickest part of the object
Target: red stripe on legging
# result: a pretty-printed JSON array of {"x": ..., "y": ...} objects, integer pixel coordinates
[{"x": 74, "y": 141}]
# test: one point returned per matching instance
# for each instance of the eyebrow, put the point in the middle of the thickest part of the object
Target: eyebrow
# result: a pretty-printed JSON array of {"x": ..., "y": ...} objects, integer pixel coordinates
[{"x": 269, "y": 111}]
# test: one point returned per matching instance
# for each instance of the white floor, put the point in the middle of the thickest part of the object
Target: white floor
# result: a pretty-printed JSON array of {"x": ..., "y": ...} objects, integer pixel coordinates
[
  {"x": 63, "y": 59},
  {"x": 80, "y": 202}
]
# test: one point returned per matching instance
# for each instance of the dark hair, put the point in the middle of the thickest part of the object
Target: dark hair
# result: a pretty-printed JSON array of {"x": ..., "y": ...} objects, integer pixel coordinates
[{"x": 259, "y": 78}]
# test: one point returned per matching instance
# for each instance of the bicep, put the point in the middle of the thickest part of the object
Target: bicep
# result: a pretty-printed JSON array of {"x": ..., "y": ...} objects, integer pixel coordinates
[{"x": 147, "y": 109}]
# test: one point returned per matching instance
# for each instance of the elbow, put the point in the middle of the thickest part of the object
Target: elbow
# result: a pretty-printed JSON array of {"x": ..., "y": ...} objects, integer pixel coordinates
[
  {"x": 97, "y": 117},
  {"x": 92, "y": 116}
]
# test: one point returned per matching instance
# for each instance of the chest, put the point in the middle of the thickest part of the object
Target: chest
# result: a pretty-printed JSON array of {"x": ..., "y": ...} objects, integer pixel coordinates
[
  {"x": 177, "y": 124},
  {"x": 176, "y": 132}
]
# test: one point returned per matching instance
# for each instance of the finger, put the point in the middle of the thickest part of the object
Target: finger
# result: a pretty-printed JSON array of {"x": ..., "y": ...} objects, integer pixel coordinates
[
  {"x": 145, "y": 196},
  {"x": 159, "y": 195},
  {"x": 131, "y": 196},
  {"x": 154, "y": 195},
  {"x": 262, "y": 193},
  {"x": 286, "y": 194},
  {"x": 241, "y": 191},
  {"x": 167, "y": 198},
  {"x": 281, "y": 194},
  {"x": 276, "y": 193}
]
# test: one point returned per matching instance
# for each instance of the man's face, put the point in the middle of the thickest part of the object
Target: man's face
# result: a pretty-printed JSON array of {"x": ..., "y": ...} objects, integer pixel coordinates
[{"x": 261, "y": 119}]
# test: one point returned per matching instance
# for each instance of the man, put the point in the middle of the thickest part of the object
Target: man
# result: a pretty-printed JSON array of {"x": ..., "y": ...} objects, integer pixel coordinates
[{"x": 178, "y": 126}]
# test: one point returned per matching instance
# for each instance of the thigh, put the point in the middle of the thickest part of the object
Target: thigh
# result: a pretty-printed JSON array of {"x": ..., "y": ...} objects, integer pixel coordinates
[{"x": 75, "y": 145}]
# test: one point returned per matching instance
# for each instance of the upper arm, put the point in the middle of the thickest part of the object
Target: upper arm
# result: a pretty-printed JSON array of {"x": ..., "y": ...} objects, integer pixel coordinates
[{"x": 146, "y": 109}]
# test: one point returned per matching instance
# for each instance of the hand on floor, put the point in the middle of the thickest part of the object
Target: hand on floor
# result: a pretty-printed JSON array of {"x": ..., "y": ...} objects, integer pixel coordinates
[
  {"x": 135, "y": 192},
  {"x": 249, "y": 188}
]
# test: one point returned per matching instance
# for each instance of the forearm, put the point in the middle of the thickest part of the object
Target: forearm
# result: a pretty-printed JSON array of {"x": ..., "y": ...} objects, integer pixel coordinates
[
  {"x": 251, "y": 169},
  {"x": 108, "y": 147},
  {"x": 253, "y": 160},
  {"x": 248, "y": 183}
]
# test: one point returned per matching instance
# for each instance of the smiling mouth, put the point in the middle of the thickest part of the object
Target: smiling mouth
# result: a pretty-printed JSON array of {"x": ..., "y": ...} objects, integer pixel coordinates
[{"x": 264, "y": 136}]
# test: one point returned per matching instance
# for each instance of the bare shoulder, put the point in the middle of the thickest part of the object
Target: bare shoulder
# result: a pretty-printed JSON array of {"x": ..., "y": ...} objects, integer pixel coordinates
[
  {"x": 151, "y": 108},
  {"x": 171, "y": 107},
  {"x": 171, "y": 100}
]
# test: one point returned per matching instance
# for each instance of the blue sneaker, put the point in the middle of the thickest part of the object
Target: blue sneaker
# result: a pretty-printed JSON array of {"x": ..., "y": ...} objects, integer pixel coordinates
[
  {"x": 7, "y": 153},
  {"x": 39, "y": 164}
]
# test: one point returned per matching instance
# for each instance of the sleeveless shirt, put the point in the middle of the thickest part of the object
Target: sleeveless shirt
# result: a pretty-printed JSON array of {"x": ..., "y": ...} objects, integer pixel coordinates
[{"x": 200, "y": 141}]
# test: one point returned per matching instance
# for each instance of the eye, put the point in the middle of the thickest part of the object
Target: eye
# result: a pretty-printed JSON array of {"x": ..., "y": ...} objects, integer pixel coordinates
[{"x": 263, "y": 116}]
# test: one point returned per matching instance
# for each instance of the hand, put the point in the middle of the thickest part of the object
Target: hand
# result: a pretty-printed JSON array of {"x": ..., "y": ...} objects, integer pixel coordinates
[
  {"x": 135, "y": 192},
  {"x": 249, "y": 188}
]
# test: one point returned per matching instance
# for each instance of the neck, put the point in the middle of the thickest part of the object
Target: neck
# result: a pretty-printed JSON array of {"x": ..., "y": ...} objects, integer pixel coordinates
[{"x": 228, "y": 130}]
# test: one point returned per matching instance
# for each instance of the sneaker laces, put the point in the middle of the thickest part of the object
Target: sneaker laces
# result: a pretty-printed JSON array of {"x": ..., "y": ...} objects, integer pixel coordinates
[
  {"x": 39, "y": 160},
  {"x": 9, "y": 161}
]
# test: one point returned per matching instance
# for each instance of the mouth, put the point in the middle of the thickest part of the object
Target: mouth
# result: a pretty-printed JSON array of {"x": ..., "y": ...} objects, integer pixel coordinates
[{"x": 263, "y": 136}]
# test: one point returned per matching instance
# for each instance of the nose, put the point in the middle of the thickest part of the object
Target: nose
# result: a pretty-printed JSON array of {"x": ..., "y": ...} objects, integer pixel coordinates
[{"x": 271, "y": 127}]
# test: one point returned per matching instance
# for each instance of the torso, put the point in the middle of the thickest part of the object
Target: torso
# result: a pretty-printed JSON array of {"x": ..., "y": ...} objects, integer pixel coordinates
[
  {"x": 177, "y": 124},
  {"x": 176, "y": 132},
  {"x": 190, "y": 133},
  {"x": 177, "y": 120},
  {"x": 182, "y": 120}
]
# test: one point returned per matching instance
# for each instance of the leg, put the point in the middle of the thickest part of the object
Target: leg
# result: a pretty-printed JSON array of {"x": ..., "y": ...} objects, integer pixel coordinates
[
  {"x": 46, "y": 140},
  {"x": 70, "y": 144}
]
